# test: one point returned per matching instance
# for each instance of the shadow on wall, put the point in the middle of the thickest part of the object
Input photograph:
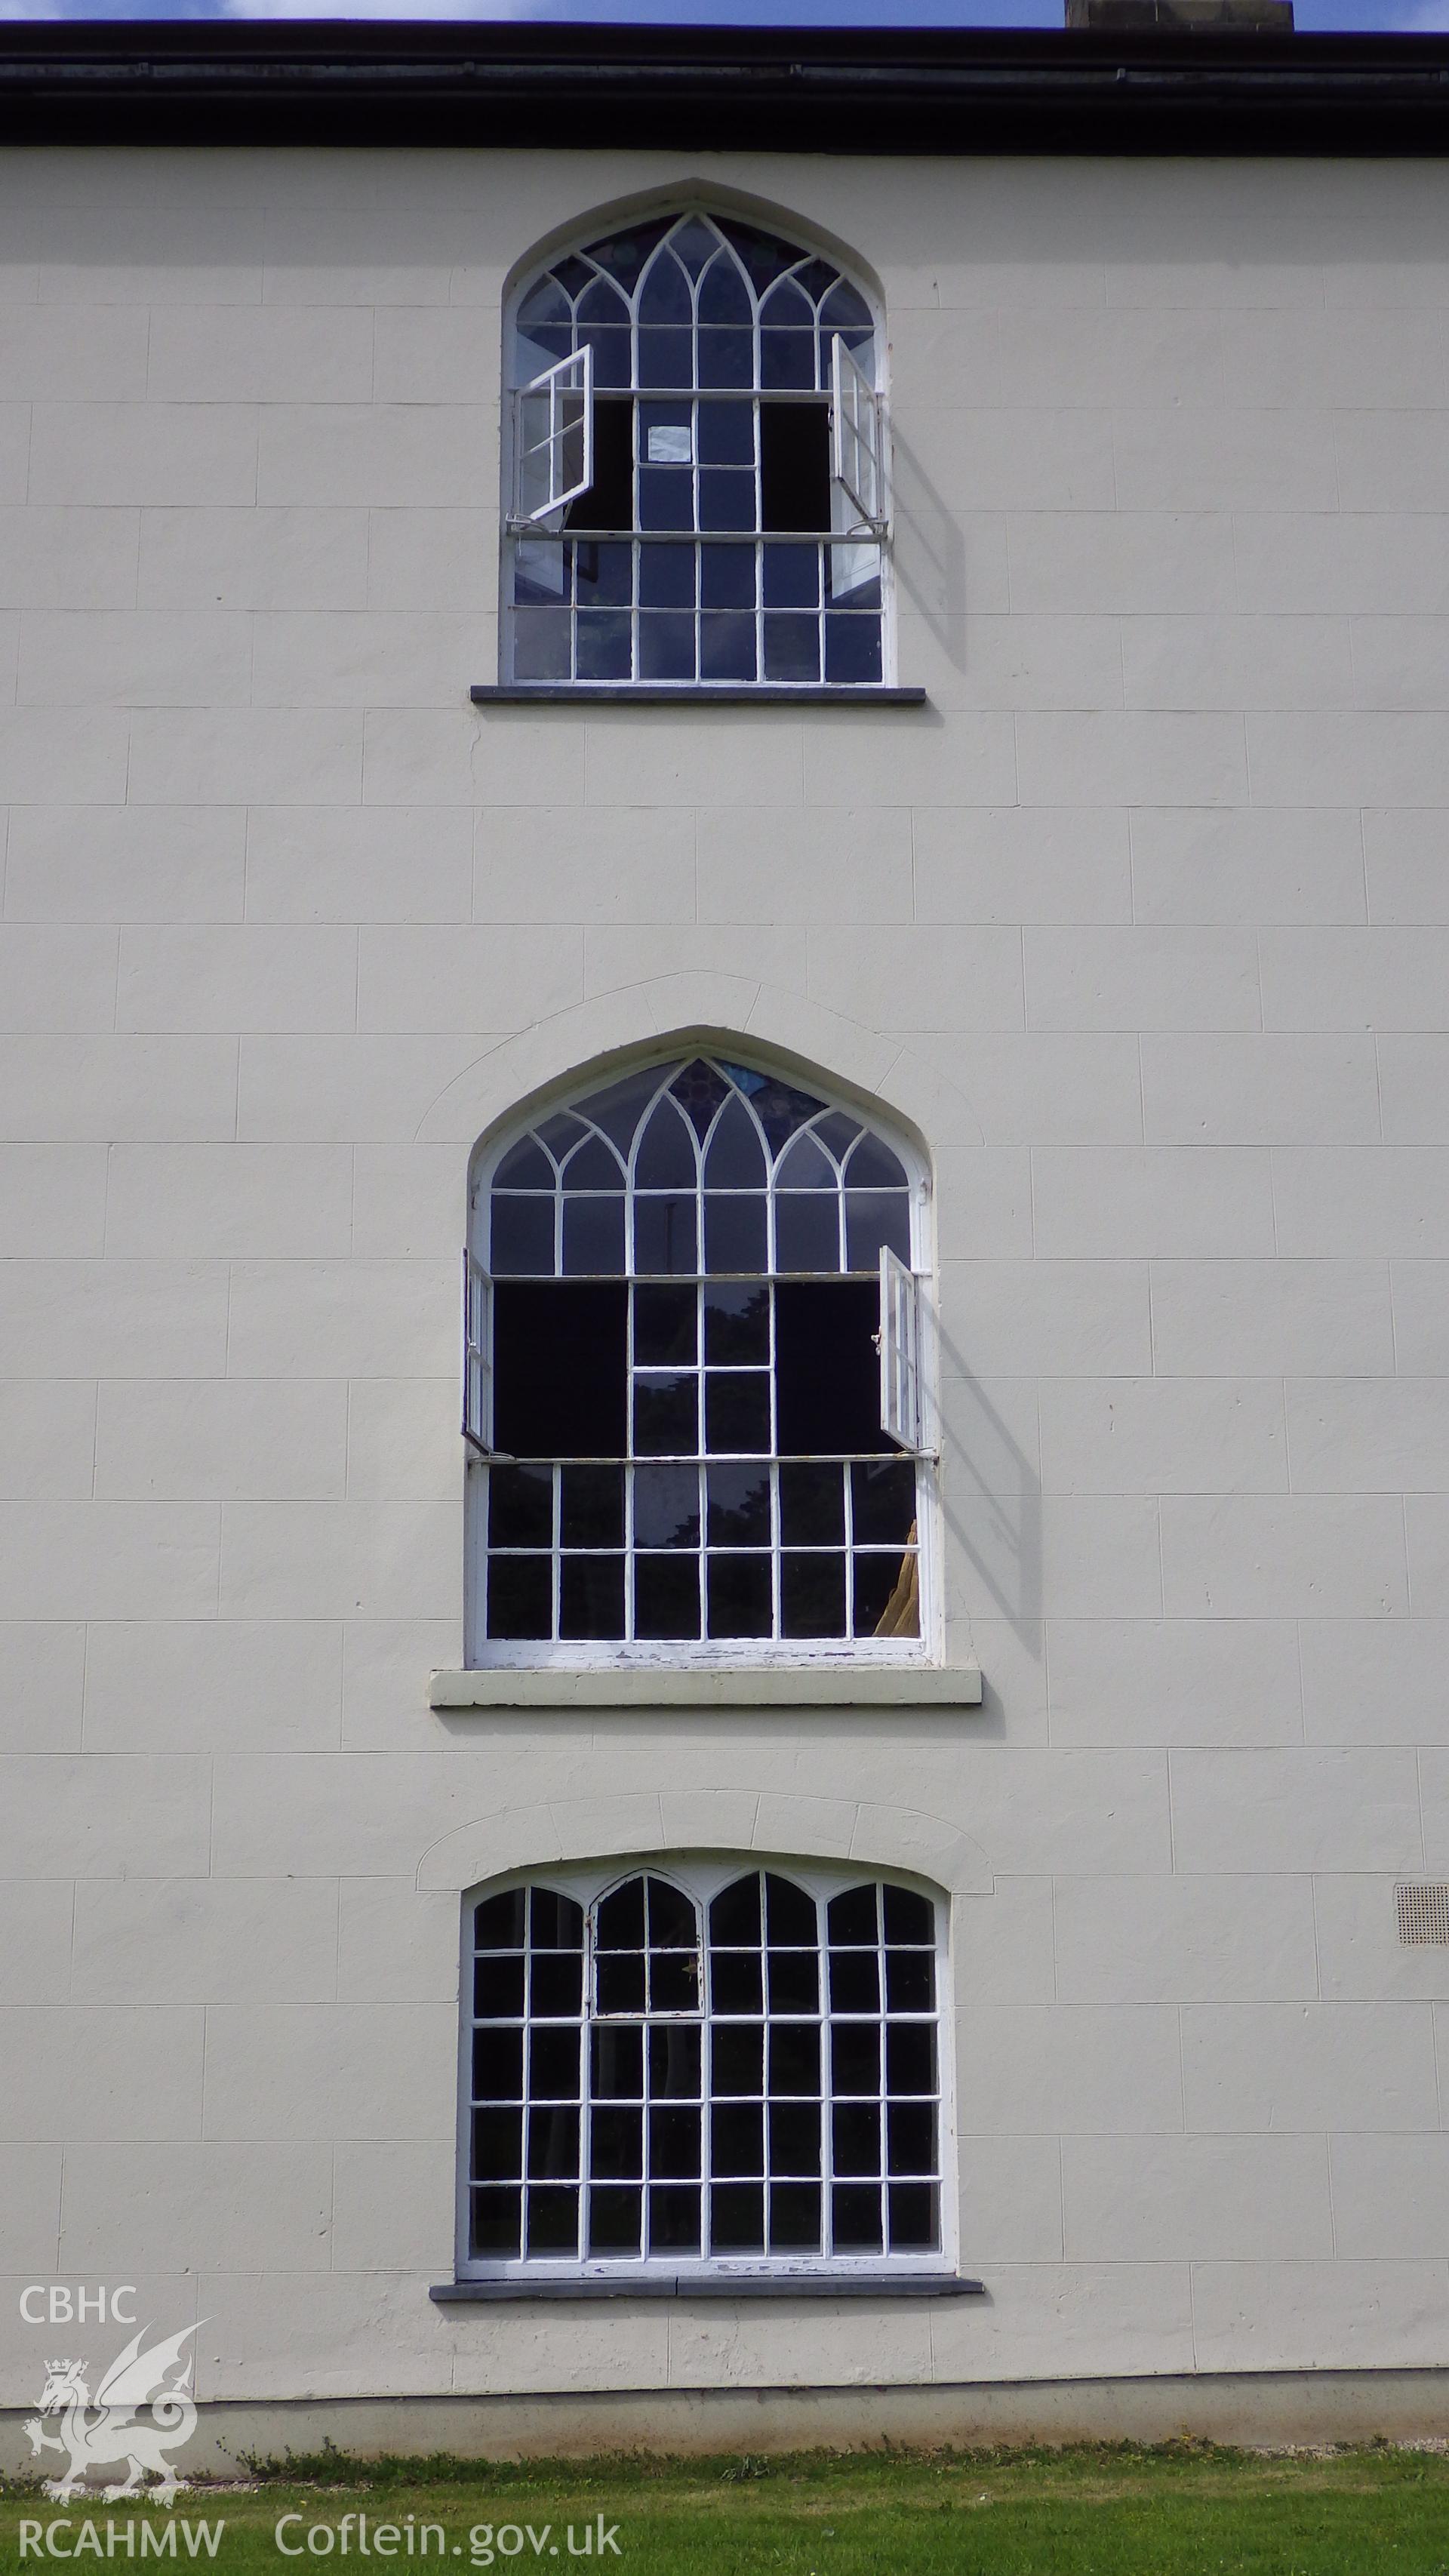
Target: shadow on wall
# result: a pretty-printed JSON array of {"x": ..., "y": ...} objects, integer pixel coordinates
[
  {"x": 991, "y": 1498},
  {"x": 930, "y": 551}
]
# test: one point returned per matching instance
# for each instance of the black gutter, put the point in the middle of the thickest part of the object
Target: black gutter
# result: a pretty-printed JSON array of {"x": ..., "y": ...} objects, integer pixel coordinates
[{"x": 466, "y": 85}]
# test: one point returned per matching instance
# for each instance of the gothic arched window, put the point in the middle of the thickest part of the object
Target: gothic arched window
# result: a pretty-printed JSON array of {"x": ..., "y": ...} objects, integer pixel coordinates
[
  {"x": 694, "y": 1378},
  {"x": 699, "y": 468},
  {"x": 716, "y": 2067}
]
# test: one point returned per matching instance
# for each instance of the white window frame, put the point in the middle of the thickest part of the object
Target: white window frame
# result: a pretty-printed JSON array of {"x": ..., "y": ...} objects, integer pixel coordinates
[
  {"x": 566, "y": 391},
  {"x": 870, "y": 557},
  {"x": 703, "y": 1879},
  {"x": 858, "y": 441},
  {"x": 477, "y": 1343},
  {"x": 745, "y": 1653}
]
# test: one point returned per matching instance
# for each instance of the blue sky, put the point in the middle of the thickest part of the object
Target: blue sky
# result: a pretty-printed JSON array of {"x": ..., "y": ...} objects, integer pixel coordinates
[{"x": 1401, "y": 16}]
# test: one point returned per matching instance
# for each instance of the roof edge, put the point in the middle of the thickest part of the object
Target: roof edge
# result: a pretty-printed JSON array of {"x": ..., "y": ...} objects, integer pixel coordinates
[{"x": 482, "y": 85}]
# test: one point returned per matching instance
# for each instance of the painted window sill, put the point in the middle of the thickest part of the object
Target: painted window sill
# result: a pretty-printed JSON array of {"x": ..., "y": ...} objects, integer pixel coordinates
[
  {"x": 690, "y": 693},
  {"x": 671, "y": 2285},
  {"x": 633, "y": 1686}
]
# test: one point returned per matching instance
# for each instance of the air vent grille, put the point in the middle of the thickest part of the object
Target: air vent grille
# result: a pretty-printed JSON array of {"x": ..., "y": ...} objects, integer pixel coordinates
[{"x": 1423, "y": 1914}]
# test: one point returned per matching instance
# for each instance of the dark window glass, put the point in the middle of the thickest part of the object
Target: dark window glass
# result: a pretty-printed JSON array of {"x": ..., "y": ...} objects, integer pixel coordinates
[
  {"x": 591, "y": 1596},
  {"x": 664, "y": 1234},
  {"x": 739, "y": 1507},
  {"x": 812, "y": 1595},
  {"x": 560, "y": 1379},
  {"x": 496, "y": 2219},
  {"x": 498, "y": 1988},
  {"x": 736, "y": 1324},
  {"x": 795, "y": 463},
  {"x": 857, "y": 2218},
  {"x": 666, "y": 1596},
  {"x": 827, "y": 1366},
  {"x": 609, "y": 501},
  {"x": 591, "y": 1512},
  {"x": 737, "y": 2219},
  {"x": 498, "y": 1922},
  {"x": 553, "y": 2220},
  {"x": 734, "y": 1231},
  {"x": 615, "y": 2219},
  {"x": 739, "y": 1596},
  {"x": 520, "y": 1507},
  {"x": 666, "y": 1327},
  {"x": 795, "y": 2217},
  {"x": 736, "y": 1410},
  {"x": 522, "y": 1237},
  {"x": 498, "y": 2146},
  {"x": 520, "y": 1597},
  {"x": 852, "y": 649},
  {"x": 674, "y": 2219}
]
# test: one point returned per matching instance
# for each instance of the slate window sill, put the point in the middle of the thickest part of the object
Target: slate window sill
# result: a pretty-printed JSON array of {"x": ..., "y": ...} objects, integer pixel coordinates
[
  {"x": 630, "y": 693},
  {"x": 635, "y": 1686},
  {"x": 900, "y": 2285}
]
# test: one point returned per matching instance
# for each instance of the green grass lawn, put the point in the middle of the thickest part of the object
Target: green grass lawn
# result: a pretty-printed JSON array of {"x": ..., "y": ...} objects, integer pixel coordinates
[{"x": 1186, "y": 2510}]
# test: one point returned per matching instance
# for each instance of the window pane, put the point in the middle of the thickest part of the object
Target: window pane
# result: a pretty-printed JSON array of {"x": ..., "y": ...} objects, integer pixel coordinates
[
  {"x": 909, "y": 1917},
  {"x": 498, "y": 2146},
  {"x": 856, "y": 2130},
  {"x": 664, "y": 1235},
  {"x": 618, "y": 2065},
  {"x": 666, "y": 500},
  {"x": 737, "y": 2219},
  {"x": 495, "y": 2223},
  {"x": 666, "y": 1596},
  {"x": 674, "y": 2219},
  {"x": 883, "y": 1501},
  {"x": 726, "y": 433},
  {"x": 726, "y": 357},
  {"x": 737, "y": 1983},
  {"x": 591, "y": 1596},
  {"x": 542, "y": 644},
  {"x": 553, "y": 2144},
  {"x": 666, "y": 357},
  {"x": 666, "y": 1415},
  {"x": 792, "y": 646},
  {"x": 910, "y": 2057},
  {"x": 727, "y": 647},
  {"x": 794, "y": 1981},
  {"x": 736, "y": 1324},
  {"x": 790, "y": 1915},
  {"x": 666, "y": 645},
  {"x": 914, "y": 2217},
  {"x": 606, "y": 644},
  {"x": 553, "y": 2220},
  {"x": 738, "y": 2135},
  {"x": 737, "y": 1411},
  {"x": 735, "y": 1914},
  {"x": 615, "y": 2220},
  {"x": 852, "y": 649},
  {"x": 887, "y": 1600},
  {"x": 619, "y": 1983},
  {"x": 666, "y": 576},
  {"x": 854, "y": 1981},
  {"x": 555, "y": 1985},
  {"x": 738, "y": 2055},
  {"x": 665, "y": 1326},
  {"x": 851, "y": 1919},
  {"x": 911, "y": 2135},
  {"x": 792, "y": 576},
  {"x": 910, "y": 1980},
  {"x": 497, "y": 1987},
  {"x": 857, "y": 2218},
  {"x": 617, "y": 2145},
  {"x": 812, "y": 1596},
  {"x": 739, "y": 1596},
  {"x": 807, "y": 1231},
  {"x": 739, "y": 1506},
  {"x": 674, "y": 2142},
  {"x": 734, "y": 1231},
  {"x": 605, "y": 575},
  {"x": 812, "y": 1509},
  {"x": 795, "y": 454},
  {"x": 666, "y": 1506},
  {"x": 520, "y": 1596},
  {"x": 591, "y": 1506},
  {"x": 727, "y": 498},
  {"x": 854, "y": 2056},
  {"x": 621, "y": 1917},
  {"x": 674, "y": 2052},
  {"x": 553, "y": 2065},
  {"x": 498, "y": 1921},
  {"x": 795, "y": 2138},
  {"x": 794, "y": 2217},
  {"x": 520, "y": 1507},
  {"x": 498, "y": 2065},
  {"x": 727, "y": 576},
  {"x": 521, "y": 1237},
  {"x": 593, "y": 1237},
  {"x": 874, "y": 1217},
  {"x": 794, "y": 2057}
]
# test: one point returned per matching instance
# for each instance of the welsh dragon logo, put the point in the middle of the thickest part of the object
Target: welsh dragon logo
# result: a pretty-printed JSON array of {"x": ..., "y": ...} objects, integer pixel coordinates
[{"x": 103, "y": 2429}]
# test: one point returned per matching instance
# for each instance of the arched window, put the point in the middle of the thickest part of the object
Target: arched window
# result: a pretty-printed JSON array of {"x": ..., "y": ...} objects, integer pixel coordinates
[
  {"x": 713, "y": 2067},
  {"x": 695, "y": 1382},
  {"x": 698, "y": 468}
]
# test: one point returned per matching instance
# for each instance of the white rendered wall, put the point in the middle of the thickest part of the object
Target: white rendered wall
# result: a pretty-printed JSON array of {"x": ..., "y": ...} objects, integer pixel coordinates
[{"x": 1144, "y": 926}]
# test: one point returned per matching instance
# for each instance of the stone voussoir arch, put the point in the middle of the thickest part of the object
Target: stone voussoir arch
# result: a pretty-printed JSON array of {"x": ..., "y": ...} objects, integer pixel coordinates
[{"x": 643, "y": 1824}]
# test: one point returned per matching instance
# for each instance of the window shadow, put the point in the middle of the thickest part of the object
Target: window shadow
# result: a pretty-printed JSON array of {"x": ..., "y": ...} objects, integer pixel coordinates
[
  {"x": 930, "y": 551},
  {"x": 991, "y": 1504}
]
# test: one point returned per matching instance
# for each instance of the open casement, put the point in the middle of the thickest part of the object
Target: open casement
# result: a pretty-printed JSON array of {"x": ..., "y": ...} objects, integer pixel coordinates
[
  {"x": 554, "y": 440},
  {"x": 902, "y": 1377},
  {"x": 476, "y": 1425},
  {"x": 858, "y": 441}
]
